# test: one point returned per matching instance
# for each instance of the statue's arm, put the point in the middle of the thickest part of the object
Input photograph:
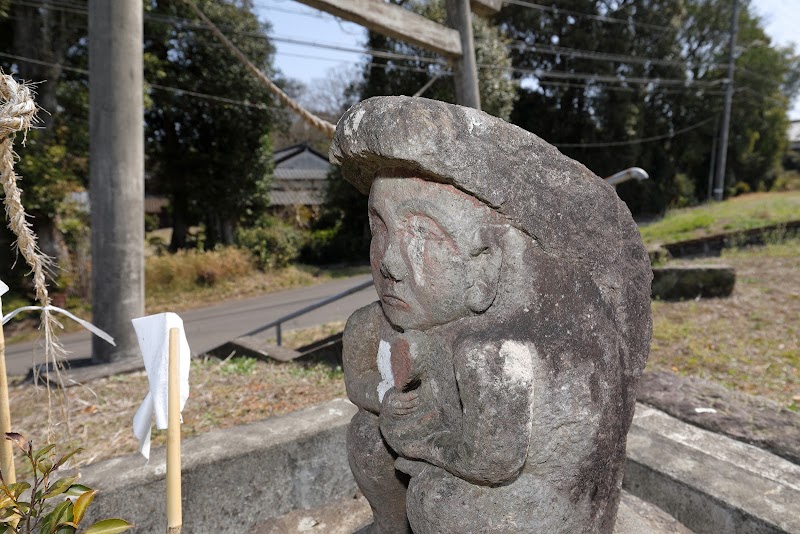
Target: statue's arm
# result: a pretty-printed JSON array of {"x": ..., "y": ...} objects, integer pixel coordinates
[
  {"x": 359, "y": 353},
  {"x": 496, "y": 388}
]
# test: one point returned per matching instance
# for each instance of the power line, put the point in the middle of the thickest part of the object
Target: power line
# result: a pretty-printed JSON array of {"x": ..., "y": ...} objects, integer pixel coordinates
[
  {"x": 635, "y": 141},
  {"x": 592, "y": 55},
  {"x": 176, "y": 90},
  {"x": 394, "y": 55},
  {"x": 601, "y": 18}
]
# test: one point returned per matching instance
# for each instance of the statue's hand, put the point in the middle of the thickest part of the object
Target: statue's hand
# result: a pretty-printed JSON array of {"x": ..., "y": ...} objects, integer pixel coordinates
[
  {"x": 405, "y": 423},
  {"x": 411, "y": 352}
]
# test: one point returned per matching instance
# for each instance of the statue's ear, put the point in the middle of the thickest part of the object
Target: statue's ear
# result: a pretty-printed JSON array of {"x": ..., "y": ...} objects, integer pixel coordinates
[{"x": 484, "y": 275}]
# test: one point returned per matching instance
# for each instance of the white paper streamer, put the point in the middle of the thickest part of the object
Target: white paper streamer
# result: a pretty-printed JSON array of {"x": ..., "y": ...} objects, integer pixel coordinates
[
  {"x": 86, "y": 324},
  {"x": 153, "y": 334}
]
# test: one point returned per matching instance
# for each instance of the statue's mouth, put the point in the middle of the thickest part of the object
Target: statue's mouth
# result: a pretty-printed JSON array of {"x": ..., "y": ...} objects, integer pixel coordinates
[{"x": 395, "y": 301}]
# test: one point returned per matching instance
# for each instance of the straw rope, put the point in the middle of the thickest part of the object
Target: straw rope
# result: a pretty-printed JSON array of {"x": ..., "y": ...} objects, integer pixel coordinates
[
  {"x": 326, "y": 127},
  {"x": 17, "y": 115}
]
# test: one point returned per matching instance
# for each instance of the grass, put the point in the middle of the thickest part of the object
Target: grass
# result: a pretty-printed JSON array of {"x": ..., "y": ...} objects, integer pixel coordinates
[
  {"x": 738, "y": 213},
  {"x": 749, "y": 342}
]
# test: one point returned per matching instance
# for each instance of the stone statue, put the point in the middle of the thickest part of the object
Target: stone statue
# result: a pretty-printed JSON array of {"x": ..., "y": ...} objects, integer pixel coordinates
[{"x": 496, "y": 376}]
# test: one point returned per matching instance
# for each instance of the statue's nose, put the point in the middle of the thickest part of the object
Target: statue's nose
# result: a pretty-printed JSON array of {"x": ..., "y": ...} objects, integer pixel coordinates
[{"x": 392, "y": 265}]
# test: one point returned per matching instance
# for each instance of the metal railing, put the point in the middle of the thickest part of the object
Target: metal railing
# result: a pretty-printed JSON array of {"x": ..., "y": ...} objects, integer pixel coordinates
[
  {"x": 634, "y": 173},
  {"x": 302, "y": 311}
]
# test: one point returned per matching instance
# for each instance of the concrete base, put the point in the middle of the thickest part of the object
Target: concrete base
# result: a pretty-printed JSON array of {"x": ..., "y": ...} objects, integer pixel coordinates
[
  {"x": 282, "y": 472},
  {"x": 709, "y": 482},
  {"x": 351, "y": 514},
  {"x": 679, "y": 283},
  {"x": 236, "y": 477}
]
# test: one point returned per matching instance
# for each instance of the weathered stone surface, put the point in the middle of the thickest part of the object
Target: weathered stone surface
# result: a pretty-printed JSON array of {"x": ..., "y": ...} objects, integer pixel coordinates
[
  {"x": 689, "y": 282},
  {"x": 496, "y": 377}
]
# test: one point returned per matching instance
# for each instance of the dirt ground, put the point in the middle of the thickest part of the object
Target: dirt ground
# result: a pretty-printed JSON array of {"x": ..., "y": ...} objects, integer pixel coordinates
[{"x": 748, "y": 343}]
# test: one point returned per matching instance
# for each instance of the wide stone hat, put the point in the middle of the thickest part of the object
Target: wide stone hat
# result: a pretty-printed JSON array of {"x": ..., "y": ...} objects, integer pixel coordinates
[{"x": 560, "y": 203}]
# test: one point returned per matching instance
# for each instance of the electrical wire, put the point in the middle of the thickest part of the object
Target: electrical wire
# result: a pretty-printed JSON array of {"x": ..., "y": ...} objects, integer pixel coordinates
[
  {"x": 635, "y": 141},
  {"x": 394, "y": 55},
  {"x": 601, "y": 18}
]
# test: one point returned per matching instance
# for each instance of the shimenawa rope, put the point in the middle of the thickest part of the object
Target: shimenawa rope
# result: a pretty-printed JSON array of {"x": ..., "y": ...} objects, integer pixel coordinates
[{"x": 326, "y": 127}]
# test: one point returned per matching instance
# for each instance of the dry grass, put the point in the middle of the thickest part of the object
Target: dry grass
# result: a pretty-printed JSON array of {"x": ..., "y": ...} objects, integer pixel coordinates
[
  {"x": 749, "y": 342},
  {"x": 294, "y": 339},
  {"x": 238, "y": 391}
]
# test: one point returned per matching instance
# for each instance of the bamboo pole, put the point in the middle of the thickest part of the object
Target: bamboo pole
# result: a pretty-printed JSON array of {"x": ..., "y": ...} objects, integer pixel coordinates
[
  {"x": 174, "y": 518},
  {"x": 6, "y": 450}
]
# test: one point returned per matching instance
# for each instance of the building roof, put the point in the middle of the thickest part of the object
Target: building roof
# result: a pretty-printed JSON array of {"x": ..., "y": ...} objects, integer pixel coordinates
[
  {"x": 281, "y": 155},
  {"x": 294, "y": 198},
  {"x": 300, "y": 174},
  {"x": 154, "y": 204}
]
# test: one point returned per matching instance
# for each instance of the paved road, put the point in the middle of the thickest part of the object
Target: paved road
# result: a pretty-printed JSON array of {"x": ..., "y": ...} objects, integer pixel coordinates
[{"x": 212, "y": 326}]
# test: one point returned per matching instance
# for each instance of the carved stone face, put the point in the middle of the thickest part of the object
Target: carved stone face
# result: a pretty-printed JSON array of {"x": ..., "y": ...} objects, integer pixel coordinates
[{"x": 432, "y": 252}]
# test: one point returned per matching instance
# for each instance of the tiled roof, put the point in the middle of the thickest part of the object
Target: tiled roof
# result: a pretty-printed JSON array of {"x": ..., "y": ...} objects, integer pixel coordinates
[
  {"x": 293, "y": 198},
  {"x": 155, "y": 204},
  {"x": 300, "y": 174}
]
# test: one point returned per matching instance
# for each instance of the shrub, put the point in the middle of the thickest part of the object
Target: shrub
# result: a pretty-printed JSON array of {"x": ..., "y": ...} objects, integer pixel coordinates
[
  {"x": 273, "y": 246},
  {"x": 150, "y": 222},
  {"x": 787, "y": 181},
  {"x": 189, "y": 269},
  {"x": 48, "y": 507}
]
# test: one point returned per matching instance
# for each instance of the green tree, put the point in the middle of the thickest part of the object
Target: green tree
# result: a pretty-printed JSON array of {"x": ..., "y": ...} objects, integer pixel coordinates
[
  {"x": 213, "y": 159},
  {"x": 681, "y": 40},
  {"x": 54, "y": 161}
]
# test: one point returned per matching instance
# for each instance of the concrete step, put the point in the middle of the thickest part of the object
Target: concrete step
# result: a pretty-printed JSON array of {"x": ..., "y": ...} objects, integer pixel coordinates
[
  {"x": 689, "y": 282},
  {"x": 707, "y": 481}
]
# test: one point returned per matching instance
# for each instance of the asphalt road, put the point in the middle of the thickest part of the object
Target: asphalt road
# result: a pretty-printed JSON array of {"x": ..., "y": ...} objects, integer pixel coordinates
[{"x": 212, "y": 326}]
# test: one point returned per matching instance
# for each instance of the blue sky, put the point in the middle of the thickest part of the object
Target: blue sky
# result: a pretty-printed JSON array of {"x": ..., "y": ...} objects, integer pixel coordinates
[{"x": 291, "y": 19}]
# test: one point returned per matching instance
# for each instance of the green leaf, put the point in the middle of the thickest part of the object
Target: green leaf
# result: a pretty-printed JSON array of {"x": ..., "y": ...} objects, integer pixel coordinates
[
  {"x": 60, "y": 514},
  {"x": 44, "y": 450},
  {"x": 61, "y": 485},
  {"x": 82, "y": 503},
  {"x": 19, "y": 488},
  {"x": 66, "y": 457},
  {"x": 109, "y": 526},
  {"x": 76, "y": 490},
  {"x": 44, "y": 466}
]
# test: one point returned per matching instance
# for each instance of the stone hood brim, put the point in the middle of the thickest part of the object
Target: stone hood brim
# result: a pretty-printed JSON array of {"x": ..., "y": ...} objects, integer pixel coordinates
[{"x": 565, "y": 207}]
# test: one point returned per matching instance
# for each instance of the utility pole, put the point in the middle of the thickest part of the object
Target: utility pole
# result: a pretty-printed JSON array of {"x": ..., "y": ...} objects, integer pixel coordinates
[
  {"x": 719, "y": 183},
  {"x": 712, "y": 161},
  {"x": 116, "y": 173},
  {"x": 459, "y": 17}
]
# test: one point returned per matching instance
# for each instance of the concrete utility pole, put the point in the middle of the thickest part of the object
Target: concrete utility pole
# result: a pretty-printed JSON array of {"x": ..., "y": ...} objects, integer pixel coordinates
[
  {"x": 459, "y": 17},
  {"x": 116, "y": 173},
  {"x": 719, "y": 183}
]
